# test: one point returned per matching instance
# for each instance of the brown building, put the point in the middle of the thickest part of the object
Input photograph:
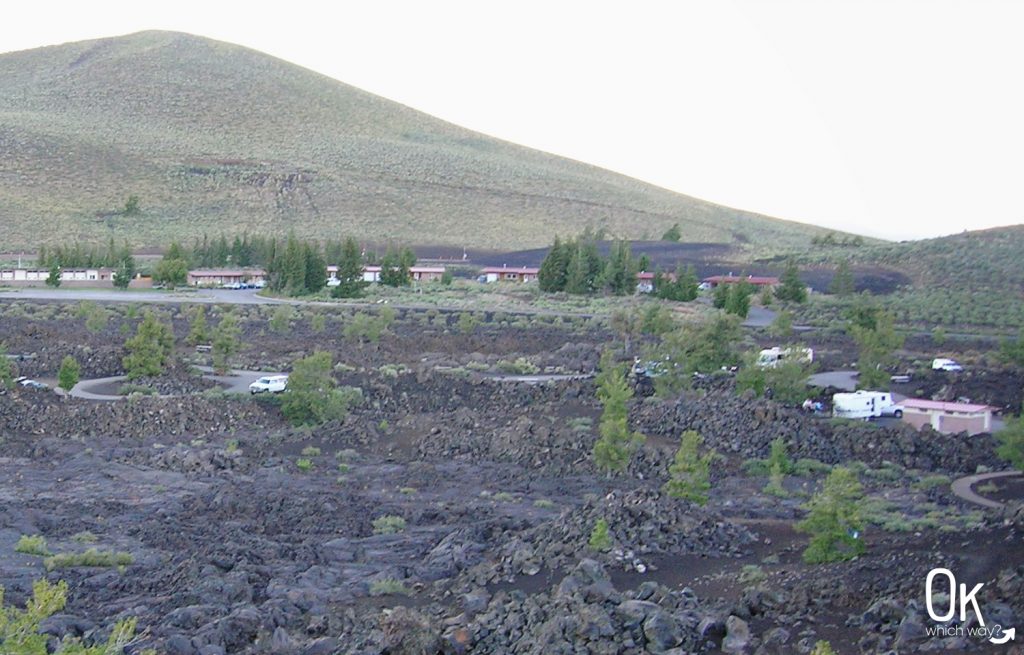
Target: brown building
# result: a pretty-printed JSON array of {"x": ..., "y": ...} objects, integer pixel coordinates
[
  {"x": 757, "y": 281},
  {"x": 948, "y": 418},
  {"x": 506, "y": 274},
  {"x": 216, "y": 277}
]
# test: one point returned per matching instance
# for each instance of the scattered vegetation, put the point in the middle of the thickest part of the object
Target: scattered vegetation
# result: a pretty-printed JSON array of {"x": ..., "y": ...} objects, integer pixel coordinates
[
  {"x": 600, "y": 537},
  {"x": 313, "y": 395},
  {"x": 1011, "y": 442},
  {"x": 834, "y": 520},
  {"x": 615, "y": 448},
  {"x": 388, "y": 587},
  {"x": 20, "y": 634},
  {"x": 69, "y": 373},
  {"x": 388, "y": 524},
  {"x": 226, "y": 343},
  {"x": 91, "y": 557},
  {"x": 690, "y": 472},
  {"x": 32, "y": 545},
  {"x": 149, "y": 351}
]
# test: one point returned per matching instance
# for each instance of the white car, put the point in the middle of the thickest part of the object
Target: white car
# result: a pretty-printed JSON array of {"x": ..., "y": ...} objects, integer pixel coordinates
[
  {"x": 269, "y": 384},
  {"x": 31, "y": 384},
  {"x": 943, "y": 364}
]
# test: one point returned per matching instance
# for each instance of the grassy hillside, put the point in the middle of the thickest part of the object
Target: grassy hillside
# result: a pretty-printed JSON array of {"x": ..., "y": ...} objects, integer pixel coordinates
[
  {"x": 215, "y": 137},
  {"x": 969, "y": 279}
]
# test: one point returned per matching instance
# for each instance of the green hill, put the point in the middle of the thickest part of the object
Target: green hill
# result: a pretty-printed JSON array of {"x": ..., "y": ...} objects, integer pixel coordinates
[
  {"x": 972, "y": 279},
  {"x": 214, "y": 137}
]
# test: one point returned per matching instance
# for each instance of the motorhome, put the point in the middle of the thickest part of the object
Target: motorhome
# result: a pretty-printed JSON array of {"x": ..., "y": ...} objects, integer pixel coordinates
[
  {"x": 865, "y": 405},
  {"x": 770, "y": 357}
]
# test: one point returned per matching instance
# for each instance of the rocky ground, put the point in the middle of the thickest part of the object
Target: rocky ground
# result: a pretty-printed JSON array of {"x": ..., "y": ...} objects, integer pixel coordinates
[{"x": 249, "y": 536}]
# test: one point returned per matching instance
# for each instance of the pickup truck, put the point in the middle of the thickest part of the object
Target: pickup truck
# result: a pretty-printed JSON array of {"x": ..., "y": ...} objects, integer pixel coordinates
[{"x": 269, "y": 384}]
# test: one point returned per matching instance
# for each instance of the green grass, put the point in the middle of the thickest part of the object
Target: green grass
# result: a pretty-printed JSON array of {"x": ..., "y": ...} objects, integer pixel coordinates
[
  {"x": 388, "y": 524},
  {"x": 32, "y": 545},
  {"x": 91, "y": 558},
  {"x": 388, "y": 586},
  {"x": 151, "y": 114}
]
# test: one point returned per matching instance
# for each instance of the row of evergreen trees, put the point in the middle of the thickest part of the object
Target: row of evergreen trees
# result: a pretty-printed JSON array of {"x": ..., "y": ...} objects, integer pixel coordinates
[
  {"x": 576, "y": 266},
  {"x": 294, "y": 267}
]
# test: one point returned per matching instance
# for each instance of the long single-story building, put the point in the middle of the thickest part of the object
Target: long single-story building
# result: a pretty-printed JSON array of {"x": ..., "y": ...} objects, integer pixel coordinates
[
  {"x": 757, "y": 281},
  {"x": 69, "y": 277},
  {"x": 215, "y": 277},
  {"x": 947, "y": 417},
  {"x": 372, "y": 273},
  {"x": 506, "y": 274}
]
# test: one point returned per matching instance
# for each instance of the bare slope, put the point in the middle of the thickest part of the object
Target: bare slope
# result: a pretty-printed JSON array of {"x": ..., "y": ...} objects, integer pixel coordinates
[{"x": 216, "y": 137}]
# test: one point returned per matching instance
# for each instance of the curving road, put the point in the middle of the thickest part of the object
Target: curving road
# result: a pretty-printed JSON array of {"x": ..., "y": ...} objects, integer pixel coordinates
[
  {"x": 964, "y": 488},
  {"x": 237, "y": 381}
]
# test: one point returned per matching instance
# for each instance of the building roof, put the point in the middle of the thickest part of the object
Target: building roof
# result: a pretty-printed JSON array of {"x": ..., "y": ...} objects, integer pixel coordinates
[
  {"x": 753, "y": 279},
  {"x": 525, "y": 270},
  {"x": 229, "y": 272},
  {"x": 427, "y": 269},
  {"x": 960, "y": 408}
]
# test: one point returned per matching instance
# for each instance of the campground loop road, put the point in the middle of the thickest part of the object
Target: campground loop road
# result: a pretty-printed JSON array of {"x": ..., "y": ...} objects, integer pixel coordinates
[
  {"x": 237, "y": 381},
  {"x": 964, "y": 488}
]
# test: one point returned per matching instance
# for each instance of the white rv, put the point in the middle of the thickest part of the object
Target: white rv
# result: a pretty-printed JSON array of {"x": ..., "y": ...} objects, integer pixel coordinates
[
  {"x": 770, "y": 357},
  {"x": 865, "y": 405}
]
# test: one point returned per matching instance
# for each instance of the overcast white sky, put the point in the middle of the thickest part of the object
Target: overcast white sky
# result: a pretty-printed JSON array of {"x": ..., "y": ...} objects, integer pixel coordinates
[{"x": 891, "y": 118}]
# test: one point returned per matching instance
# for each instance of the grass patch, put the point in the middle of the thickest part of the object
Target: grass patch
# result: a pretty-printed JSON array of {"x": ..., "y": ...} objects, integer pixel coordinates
[
  {"x": 32, "y": 545},
  {"x": 91, "y": 558},
  {"x": 388, "y": 524},
  {"x": 387, "y": 587}
]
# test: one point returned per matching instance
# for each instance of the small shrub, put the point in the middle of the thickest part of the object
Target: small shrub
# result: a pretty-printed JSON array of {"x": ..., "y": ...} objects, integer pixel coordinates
[
  {"x": 34, "y": 545},
  {"x": 752, "y": 575},
  {"x": 84, "y": 537},
  {"x": 580, "y": 424},
  {"x": 521, "y": 366},
  {"x": 304, "y": 464},
  {"x": 310, "y": 451},
  {"x": 805, "y": 467},
  {"x": 504, "y": 497},
  {"x": 388, "y": 586},
  {"x": 543, "y": 503},
  {"x": 600, "y": 539},
  {"x": 408, "y": 491},
  {"x": 388, "y": 524}
]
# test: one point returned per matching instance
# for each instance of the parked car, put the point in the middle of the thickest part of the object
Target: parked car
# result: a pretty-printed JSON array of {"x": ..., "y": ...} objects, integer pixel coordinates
[
  {"x": 259, "y": 284},
  {"x": 944, "y": 364},
  {"x": 269, "y": 384},
  {"x": 31, "y": 384}
]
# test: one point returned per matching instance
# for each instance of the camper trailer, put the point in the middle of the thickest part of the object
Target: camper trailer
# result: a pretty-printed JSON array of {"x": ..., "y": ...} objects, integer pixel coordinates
[
  {"x": 865, "y": 405},
  {"x": 770, "y": 357}
]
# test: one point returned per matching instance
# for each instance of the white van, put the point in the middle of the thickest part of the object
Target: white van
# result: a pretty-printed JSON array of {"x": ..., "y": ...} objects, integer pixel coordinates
[
  {"x": 269, "y": 384},
  {"x": 944, "y": 364},
  {"x": 865, "y": 405}
]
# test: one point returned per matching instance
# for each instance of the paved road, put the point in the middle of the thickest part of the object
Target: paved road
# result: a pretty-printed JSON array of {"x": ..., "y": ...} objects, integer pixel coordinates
[
  {"x": 212, "y": 296},
  {"x": 237, "y": 381},
  {"x": 845, "y": 380},
  {"x": 540, "y": 378},
  {"x": 964, "y": 488}
]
